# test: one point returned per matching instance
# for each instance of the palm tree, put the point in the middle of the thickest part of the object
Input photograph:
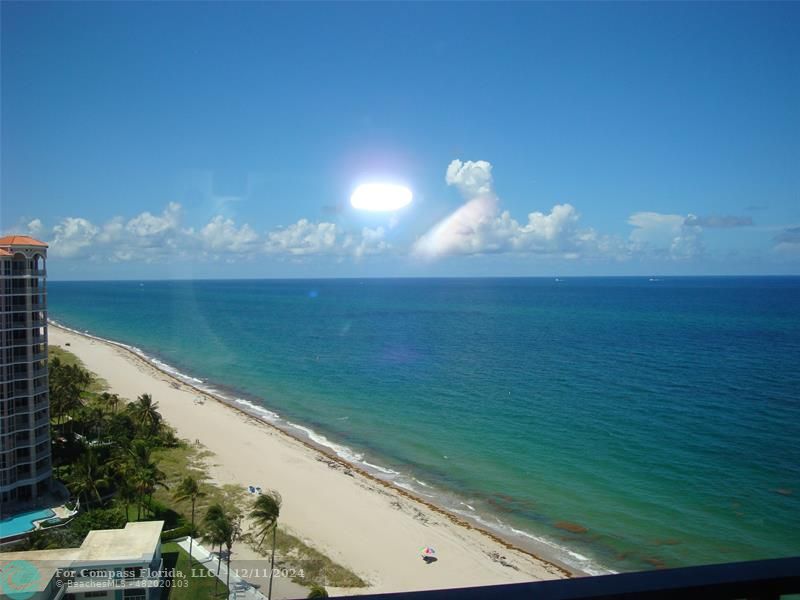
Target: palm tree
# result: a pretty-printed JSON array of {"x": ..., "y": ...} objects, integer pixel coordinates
[
  {"x": 67, "y": 384},
  {"x": 93, "y": 419},
  {"x": 126, "y": 489},
  {"x": 230, "y": 530},
  {"x": 189, "y": 489},
  {"x": 215, "y": 532},
  {"x": 146, "y": 474},
  {"x": 111, "y": 401},
  {"x": 266, "y": 510},
  {"x": 265, "y": 513},
  {"x": 155, "y": 477},
  {"x": 87, "y": 477},
  {"x": 145, "y": 413}
]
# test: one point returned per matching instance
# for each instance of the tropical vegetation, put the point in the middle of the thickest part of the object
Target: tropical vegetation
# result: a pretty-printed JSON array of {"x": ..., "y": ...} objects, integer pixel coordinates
[{"x": 124, "y": 463}]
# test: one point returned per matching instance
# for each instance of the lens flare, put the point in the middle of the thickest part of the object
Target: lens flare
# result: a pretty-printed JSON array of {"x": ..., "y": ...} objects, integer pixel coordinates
[{"x": 380, "y": 197}]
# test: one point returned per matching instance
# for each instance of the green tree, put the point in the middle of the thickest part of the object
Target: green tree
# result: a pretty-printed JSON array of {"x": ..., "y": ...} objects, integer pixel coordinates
[
  {"x": 230, "y": 528},
  {"x": 146, "y": 475},
  {"x": 112, "y": 401},
  {"x": 67, "y": 384},
  {"x": 126, "y": 488},
  {"x": 87, "y": 477},
  {"x": 265, "y": 513},
  {"x": 145, "y": 414},
  {"x": 121, "y": 429},
  {"x": 214, "y": 532},
  {"x": 189, "y": 489},
  {"x": 92, "y": 420}
]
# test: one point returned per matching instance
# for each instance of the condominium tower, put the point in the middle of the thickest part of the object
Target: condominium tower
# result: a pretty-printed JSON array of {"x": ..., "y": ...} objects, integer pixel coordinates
[{"x": 25, "y": 466}]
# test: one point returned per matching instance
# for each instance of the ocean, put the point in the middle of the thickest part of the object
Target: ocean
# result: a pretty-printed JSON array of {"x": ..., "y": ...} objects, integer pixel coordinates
[{"x": 615, "y": 424}]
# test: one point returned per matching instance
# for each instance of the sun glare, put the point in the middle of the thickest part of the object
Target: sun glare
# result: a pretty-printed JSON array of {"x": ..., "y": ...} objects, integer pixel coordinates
[{"x": 380, "y": 197}]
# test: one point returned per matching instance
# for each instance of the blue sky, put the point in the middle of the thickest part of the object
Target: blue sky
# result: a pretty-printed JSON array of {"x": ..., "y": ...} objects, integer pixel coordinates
[{"x": 148, "y": 140}]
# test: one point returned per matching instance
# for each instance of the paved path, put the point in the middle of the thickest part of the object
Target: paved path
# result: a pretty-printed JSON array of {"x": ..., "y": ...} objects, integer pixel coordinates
[{"x": 240, "y": 589}]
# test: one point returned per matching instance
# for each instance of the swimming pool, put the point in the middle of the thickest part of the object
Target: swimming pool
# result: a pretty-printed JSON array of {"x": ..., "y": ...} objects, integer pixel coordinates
[{"x": 22, "y": 522}]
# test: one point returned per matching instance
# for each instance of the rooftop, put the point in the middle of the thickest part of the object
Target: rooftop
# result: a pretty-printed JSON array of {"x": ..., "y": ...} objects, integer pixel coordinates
[
  {"x": 135, "y": 544},
  {"x": 20, "y": 240}
]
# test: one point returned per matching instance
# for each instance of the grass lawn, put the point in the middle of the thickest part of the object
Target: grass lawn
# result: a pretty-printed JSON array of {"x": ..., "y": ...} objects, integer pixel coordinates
[
  {"x": 98, "y": 384},
  {"x": 184, "y": 586}
]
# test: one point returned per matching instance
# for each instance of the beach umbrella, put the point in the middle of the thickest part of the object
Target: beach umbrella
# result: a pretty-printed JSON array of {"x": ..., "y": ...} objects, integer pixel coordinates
[{"x": 427, "y": 551}]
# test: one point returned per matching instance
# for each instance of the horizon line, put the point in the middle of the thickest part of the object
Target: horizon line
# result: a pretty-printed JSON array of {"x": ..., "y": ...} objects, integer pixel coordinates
[{"x": 419, "y": 277}]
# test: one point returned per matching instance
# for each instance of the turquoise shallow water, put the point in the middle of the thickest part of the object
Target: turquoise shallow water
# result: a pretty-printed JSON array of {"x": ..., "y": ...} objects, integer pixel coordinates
[{"x": 623, "y": 422}]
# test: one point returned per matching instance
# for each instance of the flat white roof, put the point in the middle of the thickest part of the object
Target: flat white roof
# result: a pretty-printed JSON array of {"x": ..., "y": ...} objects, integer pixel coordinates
[{"x": 135, "y": 544}]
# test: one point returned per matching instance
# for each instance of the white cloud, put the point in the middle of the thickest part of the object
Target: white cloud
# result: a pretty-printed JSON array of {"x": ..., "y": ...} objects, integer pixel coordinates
[
  {"x": 148, "y": 225},
  {"x": 666, "y": 235},
  {"x": 303, "y": 238},
  {"x": 371, "y": 241},
  {"x": 221, "y": 234},
  {"x": 307, "y": 238},
  {"x": 152, "y": 238},
  {"x": 72, "y": 237},
  {"x": 145, "y": 237},
  {"x": 788, "y": 241},
  {"x": 112, "y": 231},
  {"x": 463, "y": 232},
  {"x": 720, "y": 221},
  {"x": 34, "y": 227},
  {"x": 472, "y": 178},
  {"x": 477, "y": 227}
]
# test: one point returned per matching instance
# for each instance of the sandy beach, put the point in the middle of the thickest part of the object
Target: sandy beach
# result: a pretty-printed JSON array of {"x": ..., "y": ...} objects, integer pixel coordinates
[{"x": 364, "y": 524}]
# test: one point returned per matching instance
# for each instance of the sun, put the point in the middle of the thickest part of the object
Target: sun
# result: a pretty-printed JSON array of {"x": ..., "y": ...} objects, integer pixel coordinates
[{"x": 380, "y": 197}]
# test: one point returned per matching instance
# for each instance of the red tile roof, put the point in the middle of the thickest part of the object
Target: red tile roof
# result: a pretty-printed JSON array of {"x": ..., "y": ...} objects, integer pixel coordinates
[
  {"x": 5, "y": 253},
  {"x": 20, "y": 240}
]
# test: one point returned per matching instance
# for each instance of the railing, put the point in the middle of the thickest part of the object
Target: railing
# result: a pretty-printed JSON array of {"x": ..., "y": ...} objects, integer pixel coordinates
[
  {"x": 16, "y": 377},
  {"x": 20, "y": 324},
  {"x": 24, "y": 342},
  {"x": 21, "y": 358},
  {"x": 21, "y": 392},
  {"x": 27, "y": 273},
  {"x": 762, "y": 580},
  {"x": 25, "y": 290},
  {"x": 7, "y": 394}
]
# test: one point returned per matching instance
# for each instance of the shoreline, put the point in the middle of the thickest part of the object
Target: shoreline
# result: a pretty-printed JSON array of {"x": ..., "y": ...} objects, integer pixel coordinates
[{"x": 549, "y": 567}]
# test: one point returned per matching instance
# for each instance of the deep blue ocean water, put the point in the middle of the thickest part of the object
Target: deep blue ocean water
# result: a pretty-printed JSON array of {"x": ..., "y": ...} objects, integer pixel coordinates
[{"x": 627, "y": 423}]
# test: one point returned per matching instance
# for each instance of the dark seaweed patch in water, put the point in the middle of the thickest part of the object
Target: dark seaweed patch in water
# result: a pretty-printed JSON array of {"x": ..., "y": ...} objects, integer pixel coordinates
[
  {"x": 667, "y": 542},
  {"x": 508, "y": 504},
  {"x": 655, "y": 562},
  {"x": 571, "y": 527}
]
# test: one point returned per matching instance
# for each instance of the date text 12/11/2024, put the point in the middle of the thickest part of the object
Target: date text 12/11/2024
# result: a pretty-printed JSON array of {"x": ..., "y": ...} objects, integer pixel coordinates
[{"x": 251, "y": 573}]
